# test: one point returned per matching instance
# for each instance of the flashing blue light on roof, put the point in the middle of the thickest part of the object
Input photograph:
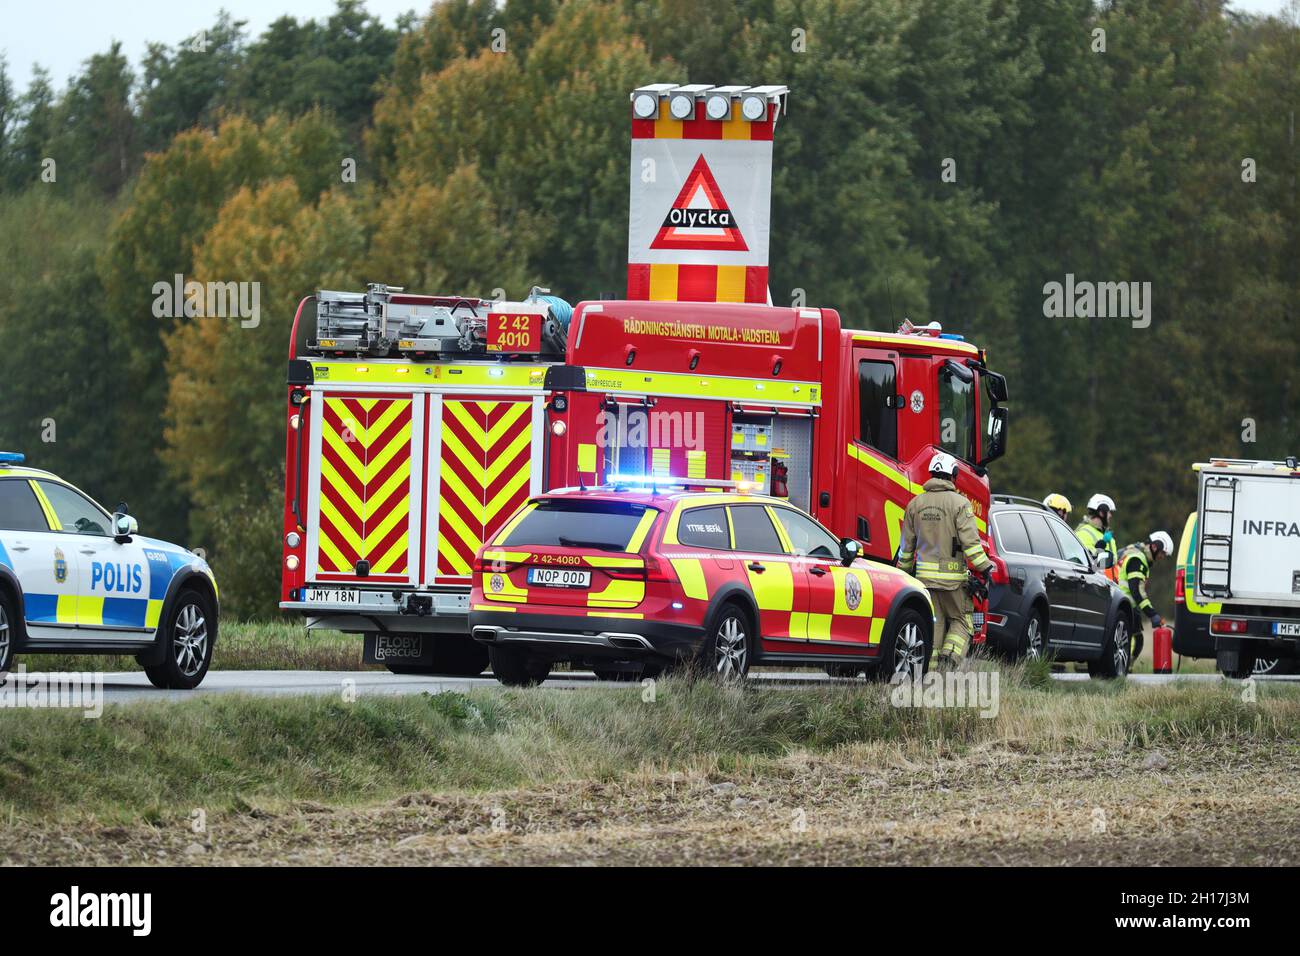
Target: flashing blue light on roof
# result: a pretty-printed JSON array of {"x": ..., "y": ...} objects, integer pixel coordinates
[
  {"x": 12, "y": 458},
  {"x": 952, "y": 335}
]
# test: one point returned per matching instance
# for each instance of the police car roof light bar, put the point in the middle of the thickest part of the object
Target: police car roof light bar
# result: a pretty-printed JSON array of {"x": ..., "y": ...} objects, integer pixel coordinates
[{"x": 12, "y": 458}]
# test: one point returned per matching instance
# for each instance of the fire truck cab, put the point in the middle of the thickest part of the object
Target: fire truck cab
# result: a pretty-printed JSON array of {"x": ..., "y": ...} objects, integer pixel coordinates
[{"x": 788, "y": 401}]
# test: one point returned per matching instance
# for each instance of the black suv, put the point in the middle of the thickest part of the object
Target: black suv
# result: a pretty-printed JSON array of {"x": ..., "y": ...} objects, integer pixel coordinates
[{"x": 1049, "y": 597}]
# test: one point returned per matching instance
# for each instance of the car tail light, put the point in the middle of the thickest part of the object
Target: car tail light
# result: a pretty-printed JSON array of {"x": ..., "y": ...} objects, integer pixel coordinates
[
  {"x": 1228, "y": 625},
  {"x": 1180, "y": 586},
  {"x": 657, "y": 569},
  {"x": 625, "y": 574},
  {"x": 999, "y": 572}
]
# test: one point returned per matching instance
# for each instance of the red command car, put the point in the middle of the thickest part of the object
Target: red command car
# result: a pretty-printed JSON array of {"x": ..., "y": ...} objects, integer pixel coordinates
[{"x": 628, "y": 580}]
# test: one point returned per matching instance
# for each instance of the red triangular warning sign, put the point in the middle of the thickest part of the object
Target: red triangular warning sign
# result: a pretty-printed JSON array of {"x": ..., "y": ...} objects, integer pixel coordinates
[{"x": 699, "y": 217}]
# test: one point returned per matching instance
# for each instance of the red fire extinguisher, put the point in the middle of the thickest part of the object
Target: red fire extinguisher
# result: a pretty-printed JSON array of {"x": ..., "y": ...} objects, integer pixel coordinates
[
  {"x": 1162, "y": 650},
  {"x": 780, "y": 480}
]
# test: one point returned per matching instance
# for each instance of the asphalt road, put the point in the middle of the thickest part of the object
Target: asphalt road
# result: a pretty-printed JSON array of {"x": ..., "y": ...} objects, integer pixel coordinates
[{"x": 131, "y": 686}]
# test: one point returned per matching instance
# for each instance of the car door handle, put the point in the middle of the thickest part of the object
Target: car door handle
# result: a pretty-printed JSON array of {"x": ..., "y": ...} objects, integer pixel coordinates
[
  {"x": 88, "y": 551},
  {"x": 818, "y": 570},
  {"x": 756, "y": 567},
  {"x": 19, "y": 546}
]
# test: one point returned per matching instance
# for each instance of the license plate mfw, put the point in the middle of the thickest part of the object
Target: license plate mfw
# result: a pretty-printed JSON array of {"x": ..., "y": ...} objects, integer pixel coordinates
[
  {"x": 559, "y": 578},
  {"x": 1286, "y": 628},
  {"x": 333, "y": 596}
]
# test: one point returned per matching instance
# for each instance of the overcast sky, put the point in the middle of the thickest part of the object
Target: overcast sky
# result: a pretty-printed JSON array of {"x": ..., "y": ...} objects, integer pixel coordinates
[{"x": 60, "y": 34}]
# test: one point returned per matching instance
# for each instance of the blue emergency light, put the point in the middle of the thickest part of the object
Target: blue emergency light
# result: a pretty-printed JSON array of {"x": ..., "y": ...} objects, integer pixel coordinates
[{"x": 12, "y": 458}]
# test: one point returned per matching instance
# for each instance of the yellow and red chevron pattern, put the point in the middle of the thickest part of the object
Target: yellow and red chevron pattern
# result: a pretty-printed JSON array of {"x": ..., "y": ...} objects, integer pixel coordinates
[
  {"x": 486, "y": 466},
  {"x": 365, "y": 505}
]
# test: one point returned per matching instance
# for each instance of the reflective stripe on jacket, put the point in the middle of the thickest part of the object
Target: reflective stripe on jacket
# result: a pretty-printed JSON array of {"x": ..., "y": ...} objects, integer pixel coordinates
[
  {"x": 1135, "y": 570},
  {"x": 939, "y": 537}
]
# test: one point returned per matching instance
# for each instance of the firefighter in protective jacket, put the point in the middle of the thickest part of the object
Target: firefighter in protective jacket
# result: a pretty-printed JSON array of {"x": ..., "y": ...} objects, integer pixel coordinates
[
  {"x": 1135, "y": 564},
  {"x": 939, "y": 537}
]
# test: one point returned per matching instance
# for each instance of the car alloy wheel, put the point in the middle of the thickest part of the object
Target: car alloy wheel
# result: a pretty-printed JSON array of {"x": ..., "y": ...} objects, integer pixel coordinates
[
  {"x": 190, "y": 640},
  {"x": 5, "y": 638},
  {"x": 731, "y": 650},
  {"x": 1034, "y": 639},
  {"x": 1263, "y": 665},
  {"x": 909, "y": 649},
  {"x": 1121, "y": 648}
]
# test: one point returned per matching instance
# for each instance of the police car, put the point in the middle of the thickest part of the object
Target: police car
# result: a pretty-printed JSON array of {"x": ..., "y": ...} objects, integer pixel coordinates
[
  {"x": 628, "y": 579},
  {"x": 75, "y": 579}
]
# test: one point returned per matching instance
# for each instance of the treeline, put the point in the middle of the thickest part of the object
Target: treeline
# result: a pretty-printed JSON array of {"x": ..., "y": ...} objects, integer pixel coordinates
[{"x": 941, "y": 160}]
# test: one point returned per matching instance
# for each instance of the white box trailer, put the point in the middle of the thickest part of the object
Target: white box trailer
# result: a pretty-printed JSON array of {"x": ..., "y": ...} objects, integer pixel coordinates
[{"x": 1248, "y": 558}]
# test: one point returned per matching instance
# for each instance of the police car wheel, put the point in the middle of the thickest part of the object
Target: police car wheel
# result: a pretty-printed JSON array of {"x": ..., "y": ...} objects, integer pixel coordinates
[
  {"x": 905, "y": 650},
  {"x": 188, "y": 636},
  {"x": 8, "y": 632},
  {"x": 517, "y": 668},
  {"x": 727, "y": 652}
]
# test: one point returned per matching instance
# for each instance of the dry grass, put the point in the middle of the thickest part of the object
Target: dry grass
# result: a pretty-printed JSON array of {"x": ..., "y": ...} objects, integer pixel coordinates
[{"x": 1079, "y": 773}]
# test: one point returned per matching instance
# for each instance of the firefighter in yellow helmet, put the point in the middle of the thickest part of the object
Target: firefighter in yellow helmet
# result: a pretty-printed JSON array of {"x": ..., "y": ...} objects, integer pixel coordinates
[
  {"x": 939, "y": 537},
  {"x": 1060, "y": 504}
]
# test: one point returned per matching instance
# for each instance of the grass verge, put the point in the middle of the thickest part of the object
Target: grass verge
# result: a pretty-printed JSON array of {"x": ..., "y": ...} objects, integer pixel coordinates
[{"x": 159, "y": 760}]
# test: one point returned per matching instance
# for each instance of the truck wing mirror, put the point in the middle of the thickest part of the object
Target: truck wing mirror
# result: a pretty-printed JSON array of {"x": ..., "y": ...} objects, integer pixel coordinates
[{"x": 996, "y": 446}]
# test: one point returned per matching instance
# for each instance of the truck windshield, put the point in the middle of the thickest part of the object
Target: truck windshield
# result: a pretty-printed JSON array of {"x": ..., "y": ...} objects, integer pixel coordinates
[
  {"x": 602, "y": 525},
  {"x": 956, "y": 415}
]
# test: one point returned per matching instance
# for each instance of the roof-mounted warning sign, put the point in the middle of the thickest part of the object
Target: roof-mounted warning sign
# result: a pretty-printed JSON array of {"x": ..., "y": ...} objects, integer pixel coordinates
[{"x": 701, "y": 185}]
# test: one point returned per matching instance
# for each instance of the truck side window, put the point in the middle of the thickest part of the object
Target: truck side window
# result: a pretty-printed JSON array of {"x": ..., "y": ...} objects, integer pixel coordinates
[
  {"x": 877, "y": 418},
  {"x": 956, "y": 416}
]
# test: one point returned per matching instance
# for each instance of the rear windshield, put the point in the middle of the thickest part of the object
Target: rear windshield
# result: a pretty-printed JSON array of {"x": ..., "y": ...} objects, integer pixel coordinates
[{"x": 603, "y": 525}]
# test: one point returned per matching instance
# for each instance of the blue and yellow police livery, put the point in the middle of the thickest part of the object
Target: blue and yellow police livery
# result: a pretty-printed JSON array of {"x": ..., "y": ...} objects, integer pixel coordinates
[{"x": 76, "y": 579}]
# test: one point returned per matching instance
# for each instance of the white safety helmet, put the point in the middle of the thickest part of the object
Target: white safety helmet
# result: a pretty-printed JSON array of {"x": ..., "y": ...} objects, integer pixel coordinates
[
  {"x": 1097, "y": 502},
  {"x": 1161, "y": 538},
  {"x": 943, "y": 464}
]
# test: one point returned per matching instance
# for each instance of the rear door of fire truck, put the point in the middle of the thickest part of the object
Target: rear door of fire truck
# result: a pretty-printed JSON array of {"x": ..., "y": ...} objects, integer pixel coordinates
[
  {"x": 364, "y": 490},
  {"x": 406, "y": 485},
  {"x": 485, "y": 454}
]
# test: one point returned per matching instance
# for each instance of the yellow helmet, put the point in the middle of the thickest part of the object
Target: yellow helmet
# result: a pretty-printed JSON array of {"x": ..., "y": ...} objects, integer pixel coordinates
[{"x": 1058, "y": 502}]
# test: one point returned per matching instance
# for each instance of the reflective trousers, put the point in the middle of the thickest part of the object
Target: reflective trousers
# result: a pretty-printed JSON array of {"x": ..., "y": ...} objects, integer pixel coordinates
[{"x": 953, "y": 627}]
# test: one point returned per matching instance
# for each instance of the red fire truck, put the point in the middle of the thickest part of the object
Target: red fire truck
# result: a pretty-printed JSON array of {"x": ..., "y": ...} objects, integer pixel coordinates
[{"x": 418, "y": 424}]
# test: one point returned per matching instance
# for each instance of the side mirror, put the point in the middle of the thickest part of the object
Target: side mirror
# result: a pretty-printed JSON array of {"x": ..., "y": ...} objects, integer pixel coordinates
[
  {"x": 1104, "y": 560},
  {"x": 124, "y": 526},
  {"x": 996, "y": 446},
  {"x": 850, "y": 551}
]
